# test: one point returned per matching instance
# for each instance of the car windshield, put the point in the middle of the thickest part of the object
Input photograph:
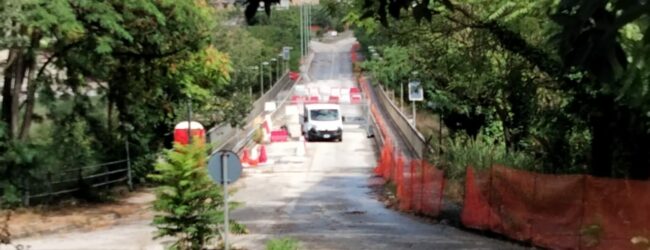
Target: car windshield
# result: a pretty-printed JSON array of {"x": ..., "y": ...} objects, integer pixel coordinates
[{"x": 324, "y": 114}]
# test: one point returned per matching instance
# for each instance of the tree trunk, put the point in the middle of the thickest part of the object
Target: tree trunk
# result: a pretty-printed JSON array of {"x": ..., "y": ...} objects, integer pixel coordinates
[
  {"x": 6, "y": 100},
  {"x": 109, "y": 114},
  {"x": 30, "y": 102},
  {"x": 19, "y": 76},
  {"x": 602, "y": 142}
]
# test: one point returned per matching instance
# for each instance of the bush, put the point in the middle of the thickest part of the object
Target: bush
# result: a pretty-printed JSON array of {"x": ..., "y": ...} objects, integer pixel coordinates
[
  {"x": 480, "y": 153},
  {"x": 282, "y": 244},
  {"x": 258, "y": 136},
  {"x": 189, "y": 204}
]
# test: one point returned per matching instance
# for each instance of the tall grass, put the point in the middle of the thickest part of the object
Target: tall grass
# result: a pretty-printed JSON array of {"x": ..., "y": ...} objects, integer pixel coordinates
[
  {"x": 282, "y": 244},
  {"x": 480, "y": 153}
]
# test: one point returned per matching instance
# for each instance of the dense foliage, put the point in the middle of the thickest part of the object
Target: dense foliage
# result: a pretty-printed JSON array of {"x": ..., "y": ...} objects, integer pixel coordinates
[
  {"x": 81, "y": 78},
  {"x": 564, "y": 82}
]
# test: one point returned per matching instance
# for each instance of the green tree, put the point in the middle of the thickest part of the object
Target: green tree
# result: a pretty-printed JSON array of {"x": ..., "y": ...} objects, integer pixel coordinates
[
  {"x": 568, "y": 87},
  {"x": 190, "y": 205}
]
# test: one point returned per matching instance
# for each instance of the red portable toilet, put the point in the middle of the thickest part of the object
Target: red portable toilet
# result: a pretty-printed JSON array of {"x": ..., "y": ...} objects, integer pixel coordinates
[
  {"x": 180, "y": 132},
  {"x": 294, "y": 75}
]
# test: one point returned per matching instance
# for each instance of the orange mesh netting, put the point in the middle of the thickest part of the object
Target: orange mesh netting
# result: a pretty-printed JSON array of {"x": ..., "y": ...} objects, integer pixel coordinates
[
  {"x": 557, "y": 211},
  {"x": 419, "y": 186}
]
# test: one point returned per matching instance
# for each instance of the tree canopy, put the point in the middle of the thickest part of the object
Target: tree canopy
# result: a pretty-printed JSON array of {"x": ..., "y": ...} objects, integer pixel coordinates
[{"x": 564, "y": 81}]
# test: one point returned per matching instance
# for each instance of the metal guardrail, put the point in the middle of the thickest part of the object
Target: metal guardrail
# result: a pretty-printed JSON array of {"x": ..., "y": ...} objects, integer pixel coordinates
[
  {"x": 415, "y": 141},
  {"x": 224, "y": 136},
  {"x": 375, "y": 132},
  {"x": 51, "y": 184}
]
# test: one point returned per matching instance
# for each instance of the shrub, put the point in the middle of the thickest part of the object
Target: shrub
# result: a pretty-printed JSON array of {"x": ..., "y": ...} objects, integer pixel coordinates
[
  {"x": 189, "y": 204},
  {"x": 258, "y": 136},
  {"x": 282, "y": 244},
  {"x": 481, "y": 153}
]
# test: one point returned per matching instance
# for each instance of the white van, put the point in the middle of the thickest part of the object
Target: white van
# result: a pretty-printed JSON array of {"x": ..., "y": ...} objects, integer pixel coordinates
[{"x": 322, "y": 121}]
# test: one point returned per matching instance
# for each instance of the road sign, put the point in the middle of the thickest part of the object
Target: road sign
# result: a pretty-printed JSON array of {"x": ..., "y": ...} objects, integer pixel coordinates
[
  {"x": 233, "y": 165},
  {"x": 285, "y": 53},
  {"x": 225, "y": 167},
  {"x": 416, "y": 93}
]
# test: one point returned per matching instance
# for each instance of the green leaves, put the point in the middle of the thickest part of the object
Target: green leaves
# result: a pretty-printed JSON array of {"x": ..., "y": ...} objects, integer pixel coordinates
[{"x": 188, "y": 203}]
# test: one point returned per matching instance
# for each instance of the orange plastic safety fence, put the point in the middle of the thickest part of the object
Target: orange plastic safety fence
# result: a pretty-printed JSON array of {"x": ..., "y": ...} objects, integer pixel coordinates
[
  {"x": 419, "y": 186},
  {"x": 415, "y": 186},
  {"x": 557, "y": 212},
  {"x": 620, "y": 209},
  {"x": 433, "y": 184}
]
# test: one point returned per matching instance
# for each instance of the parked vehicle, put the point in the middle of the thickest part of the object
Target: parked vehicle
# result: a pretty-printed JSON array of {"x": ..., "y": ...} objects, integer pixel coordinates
[{"x": 322, "y": 121}]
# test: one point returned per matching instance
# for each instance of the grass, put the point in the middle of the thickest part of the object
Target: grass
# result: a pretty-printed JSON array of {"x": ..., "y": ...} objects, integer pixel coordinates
[
  {"x": 285, "y": 243},
  {"x": 480, "y": 153}
]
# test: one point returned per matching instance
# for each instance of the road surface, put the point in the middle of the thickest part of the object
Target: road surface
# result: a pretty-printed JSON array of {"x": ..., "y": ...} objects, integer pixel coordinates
[{"x": 322, "y": 198}]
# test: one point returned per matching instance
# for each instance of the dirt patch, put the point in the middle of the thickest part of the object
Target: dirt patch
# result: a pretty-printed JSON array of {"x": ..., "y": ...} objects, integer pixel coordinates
[
  {"x": 429, "y": 125},
  {"x": 73, "y": 215}
]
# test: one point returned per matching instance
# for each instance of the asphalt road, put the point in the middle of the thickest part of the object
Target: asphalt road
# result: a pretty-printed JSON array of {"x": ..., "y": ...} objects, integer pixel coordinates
[{"x": 322, "y": 198}]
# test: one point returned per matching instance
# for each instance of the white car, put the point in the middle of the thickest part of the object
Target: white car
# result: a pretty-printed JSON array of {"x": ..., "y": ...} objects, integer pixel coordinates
[{"x": 322, "y": 121}]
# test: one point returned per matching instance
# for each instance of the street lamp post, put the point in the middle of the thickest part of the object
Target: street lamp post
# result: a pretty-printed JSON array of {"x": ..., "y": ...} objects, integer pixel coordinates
[
  {"x": 280, "y": 64},
  {"x": 274, "y": 68},
  {"x": 401, "y": 96},
  {"x": 270, "y": 75},
  {"x": 250, "y": 88},
  {"x": 262, "y": 76},
  {"x": 302, "y": 32}
]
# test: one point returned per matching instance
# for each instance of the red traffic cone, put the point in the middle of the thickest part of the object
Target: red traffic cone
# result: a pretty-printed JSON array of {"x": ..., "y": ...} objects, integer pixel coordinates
[
  {"x": 262, "y": 158},
  {"x": 245, "y": 158},
  {"x": 253, "y": 159}
]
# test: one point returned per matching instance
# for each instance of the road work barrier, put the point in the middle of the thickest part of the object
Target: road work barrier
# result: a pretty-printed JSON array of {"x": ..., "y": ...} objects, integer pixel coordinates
[
  {"x": 418, "y": 185},
  {"x": 551, "y": 211},
  {"x": 224, "y": 136},
  {"x": 557, "y": 211}
]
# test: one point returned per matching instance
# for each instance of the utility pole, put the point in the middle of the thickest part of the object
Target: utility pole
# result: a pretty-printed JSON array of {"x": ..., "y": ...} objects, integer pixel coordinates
[
  {"x": 302, "y": 32},
  {"x": 262, "y": 77},
  {"x": 308, "y": 28},
  {"x": 189, "y": 120}
]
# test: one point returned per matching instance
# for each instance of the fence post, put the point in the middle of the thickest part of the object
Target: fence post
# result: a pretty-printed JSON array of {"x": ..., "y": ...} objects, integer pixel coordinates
[
  {"x": 25, "y": 192},
  {"x": 128, "y": 165},
  {"x": 49, "y": 186},
  {"x": 107, "y": 177}
]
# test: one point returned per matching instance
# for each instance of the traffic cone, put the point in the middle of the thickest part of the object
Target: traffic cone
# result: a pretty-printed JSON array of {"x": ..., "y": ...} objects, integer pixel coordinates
[
  {"x": 266, "y": 132},
  {"x": 244, "y": 158},
  {"x": 254, "y": 157},
  {"x": 263, "y": 158},
  {"x": 300, "y": 151}
]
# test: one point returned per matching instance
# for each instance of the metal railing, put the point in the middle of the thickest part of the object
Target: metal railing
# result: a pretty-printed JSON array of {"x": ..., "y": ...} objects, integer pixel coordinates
[
  {"x": 224, "y": 136},
  {"x": 45, "y": 185},
  {"x": 414, "y": 140}
]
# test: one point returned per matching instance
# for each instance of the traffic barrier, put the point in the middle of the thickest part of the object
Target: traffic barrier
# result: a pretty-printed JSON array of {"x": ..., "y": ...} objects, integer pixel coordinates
[
  {"x": 279, "y": 136},
  {"x": 557, "y": 211},
  {"x": 355, "y": 99},
  {"x": 254, "y": 156},
  {"x": 263, "y": 158},
  {"x": 295, "y": 99},
  {"x": 419, "y": 185},
  {"x": 333, "y": 99},
  {"x": 313, "y": 99}
]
